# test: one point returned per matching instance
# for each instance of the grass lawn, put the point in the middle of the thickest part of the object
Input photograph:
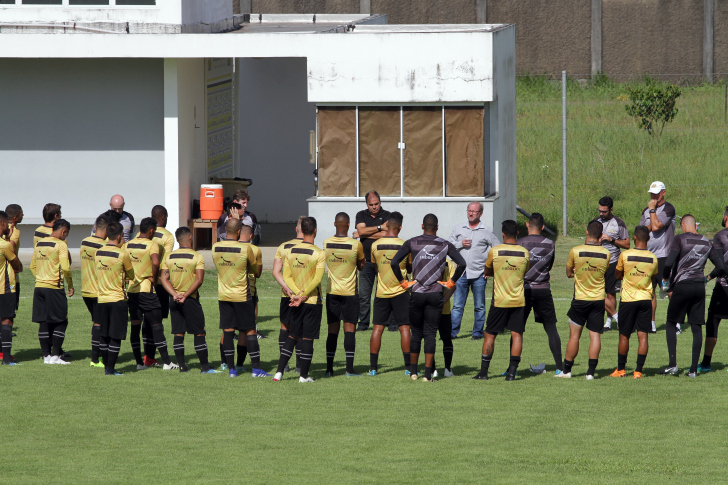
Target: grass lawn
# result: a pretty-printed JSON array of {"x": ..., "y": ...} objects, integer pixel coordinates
[{"x": 72, "y": 424}]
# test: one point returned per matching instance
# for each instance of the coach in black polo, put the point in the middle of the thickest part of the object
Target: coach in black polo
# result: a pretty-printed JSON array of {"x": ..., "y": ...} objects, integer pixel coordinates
[{"x": 371, "y": 224}]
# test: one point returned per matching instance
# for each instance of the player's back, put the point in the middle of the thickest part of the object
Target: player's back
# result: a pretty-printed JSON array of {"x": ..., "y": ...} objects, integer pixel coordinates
[
  {"x": 301, "y": 264},
  {"x": 47, "y": 256},
  {"x": 638, "y": 266},
  {"x": 258, "y": 257},
  {"x": 113, "y": 266},
  {"x": 165, "y": 239},
  {"x": 590, "y": 262},
  {"x": 541, "y": 252},
  {"x": 342, "y": 256},
  {"x": 235, "y": 263},
  {"x": 140, "y": 252},
  {"x": 383, "y": 251},
  {"x": 720, "y": 245},
  {"x": 41, "y": 232},
  {"x": 429, "y": 255},
  {"x": 510, "y": 264},
  {"x": 89, "y": 246},
  {"x": 282, "y": 253},
  {"x": 182, "y": 265},
  {"x": 694, "y": 252}
]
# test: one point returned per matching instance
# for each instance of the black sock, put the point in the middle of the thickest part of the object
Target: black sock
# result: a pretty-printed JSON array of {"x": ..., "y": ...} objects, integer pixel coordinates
[
  {"x": 447, "y": 352},
  {"x": 592, "y": 367},
  {"x": 114, "y": 348},
  {"x": 407, "y": 359},
  {"x": 298, "y": 354},
  {"x": 671, "y": 337},
  {"x": 428, "y": 372},
  {"x": 136, "y": 343},
  {"x": 706, "y": 360},
  {"x": 349, "y": 350},
  {"x": 286, "y": 353},
  {"x": 554, "y": 344},
  {"x": 178, "y": 344},
  {"x": 104, "y": 349},
  {"x": 150, "y": 350},
  {"x": 95, "y": 342},
  {"x": 201, "y": 349},
  {"x": 59, "y": 334},
  {"x": 484, "y": 364},
  {"x": 282, "y": 337},
  {"x": 44, "y": 338},
  {"x": 413, "y": 368},
  {"x": 306, "y": 356},
  {"x": 222, "y": 353},
  {"x": 640, "y": 362},
  {"x": 568, "y": 364},
  {"x": 254, "y": 351},
  {"x": 228, "y": 344},
  {"x": 621, "y": 361},
  {"x": 373, "y": 361},
  {"x": 6, "y": 332},
  {"x": 242, "y": 354},
  {"x": 161, "y": 342},
  {"x": 697, "y": 346},
  {"x": 513, "y": 366},
  {"x": 331, "y": 342}
]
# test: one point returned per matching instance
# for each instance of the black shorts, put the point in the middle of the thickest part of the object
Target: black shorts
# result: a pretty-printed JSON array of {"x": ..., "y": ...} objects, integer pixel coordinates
[
  {"x": 187, "y": 317},
  {"x": 163, "y": 298},
  {"x": 50, "y": 305},
  {"x": 398, "y": 306},
  {"x": 500, "y": 319},
  {"x": 542, "y": 303},
  {"x": 688, "y": 298},
  {"x": 657, "y": 279},
  {"x": 114, "y": 319},
  {"x": 718, "y": 307},
  {"x": 255, "y": 300},
  {"x": 91, "y": 306},
  {"x": 589, "y": 312},
  {"x": 7, "y": 306},
  {"x": 340, "y": 308},
  {"x": 17, "y": 294},
  {"x": 445, "y": 327},
  {"x": 239, "y": 315},
  {"x": 635, "y": 316},
  {"x": 141, "y": 303},
  {"x": 305, "y": 321},
  {"x": 610, "y": 279},
  {"x": 285, "y": 310},
  {"x": 425, "y": 310}
]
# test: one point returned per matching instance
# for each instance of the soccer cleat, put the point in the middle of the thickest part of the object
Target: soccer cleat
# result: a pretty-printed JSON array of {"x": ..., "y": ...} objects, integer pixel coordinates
[
  {"x": 46, "y": 359},
  {"x": 372, "y": 373},
  {"x": 223, "y": 367},
  {"x": 703, "y": 369},
  {"x": 240, "y": 369},
  {"x": 183, "y": 370},
  {"x": 557, "y": 372},
  {"x": 306, "y": 379},
  {"x": 297, "y": 370},
  {"x": 607, "y": 328},
  {"x": 618, "y": 373},
  {"x": 435, "y": 375},
  {"x": 260, "y": 336},
  {"x": 259, "y": 373},
  {"x": 425, "y": 379},
  {"x": 668, "y": 371},
  {"x": 480, "y": 377},
  {"x": 66, "y": 356},
  {"x": 142, "y": 367},
  {"x": 407, "y": 372},
  {"x": 414, "y": 377},
  {"x": 210, "y": 371},
  {"x": 329, "y": 373},
  {"x": 506, "y": 373},
  {"x": 510, "y": 377},
  {"x": 352, "y": 374},
  {"x": 278, "y": 376},
  {"x": 170, "y": 366},
  {"x": 10, "y": 363},
  {"x": 563, "y": 375},
  {"x": 589, "y": 377},
  {"x": 97, "y": 364},
  {"x": 679, "y": 329},
  {"x": 232, "y": 373},
  {"x": 114, "y": 373},
  {"x": 691, "y": 374},
  {"x": 56, "y": 359},
  {"x": 449, "y": 373},
  {"x": 151, "y": 362},
  {"x": 653, "y": 331},
  {"x": 637, "y": 375},
  {"x": 286, "y": 369}
]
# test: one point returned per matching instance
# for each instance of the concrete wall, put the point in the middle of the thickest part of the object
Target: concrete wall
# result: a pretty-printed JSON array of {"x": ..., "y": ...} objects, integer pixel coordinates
[
  {"x": 427, "y": 12},
  {"x": 273, "y": 118},
  {"x": 304, "y": 6},
  {"x": 209, "y": 11},
  {"x": 77, "y": 131},
  {"x": 720, "y": 43}
]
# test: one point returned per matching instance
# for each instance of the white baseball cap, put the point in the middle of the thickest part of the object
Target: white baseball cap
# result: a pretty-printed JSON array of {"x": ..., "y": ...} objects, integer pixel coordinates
[{"x": 656, "y": 187}]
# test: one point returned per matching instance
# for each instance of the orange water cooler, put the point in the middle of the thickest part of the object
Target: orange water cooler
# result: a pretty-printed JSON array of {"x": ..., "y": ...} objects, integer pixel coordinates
[{"x": 210, "y": 201}]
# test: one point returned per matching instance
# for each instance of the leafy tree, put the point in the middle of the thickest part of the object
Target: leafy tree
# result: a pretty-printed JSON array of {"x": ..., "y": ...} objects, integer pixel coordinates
[{"x": 652, "y": 105}]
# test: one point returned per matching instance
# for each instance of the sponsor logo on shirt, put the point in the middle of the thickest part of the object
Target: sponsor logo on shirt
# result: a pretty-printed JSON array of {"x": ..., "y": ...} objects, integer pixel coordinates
[
  {"x": 225, "y": 262},
  {"x": 509, "y": 266}
]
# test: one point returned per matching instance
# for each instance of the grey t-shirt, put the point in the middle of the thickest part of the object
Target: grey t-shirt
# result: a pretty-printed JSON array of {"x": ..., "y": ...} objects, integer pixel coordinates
[
  {"x": 616, "y": 229},
  {"x": 660, "y": 241}
]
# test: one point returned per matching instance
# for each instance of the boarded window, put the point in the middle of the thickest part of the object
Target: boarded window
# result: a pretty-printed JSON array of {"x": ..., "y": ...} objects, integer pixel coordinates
[
  {"x": 423, "y": 151},
  {"x": 379, "y": 157},
  {"x": 464, "y": 152},
  {"x": 337, "y": 151}
]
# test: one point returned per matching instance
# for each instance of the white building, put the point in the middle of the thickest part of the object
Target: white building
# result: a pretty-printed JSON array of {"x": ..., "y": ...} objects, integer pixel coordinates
[{"x": 423, "y": 114}]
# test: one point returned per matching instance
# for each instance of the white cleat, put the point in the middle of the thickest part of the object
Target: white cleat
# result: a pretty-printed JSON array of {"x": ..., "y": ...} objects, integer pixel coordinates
[
  {"x": 564, "y": 375},
  {"x": 142, "y": 367},
  {"x": 679, "y": 329},
  {"x": 278, "y": 376},
  {"x": 170, "y": 366},
  {"x": 435, "y": 375},
  {"x": 46, "y": 359},
  {"x": 306, "y": 379},
  {"x": 589, "y": 377},
  {"x": 449, "y": 373},
  {"x": 56, "y": 359}
]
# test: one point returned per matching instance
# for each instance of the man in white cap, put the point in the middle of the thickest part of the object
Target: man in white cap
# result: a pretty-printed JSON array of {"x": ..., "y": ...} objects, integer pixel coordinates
[{"x": 659, "y": 217}]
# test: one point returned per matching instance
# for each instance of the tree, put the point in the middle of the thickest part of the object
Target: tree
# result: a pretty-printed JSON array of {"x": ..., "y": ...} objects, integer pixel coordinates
[{"x": 653, "y": 105}]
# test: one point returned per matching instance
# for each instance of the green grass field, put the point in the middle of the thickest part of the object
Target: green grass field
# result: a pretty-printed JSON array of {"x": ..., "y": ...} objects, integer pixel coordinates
[{"x": 72, "y": 424}]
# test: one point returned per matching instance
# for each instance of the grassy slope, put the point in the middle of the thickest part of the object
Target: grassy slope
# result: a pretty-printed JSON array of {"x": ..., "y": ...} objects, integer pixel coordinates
[{"x": 71, "y": 423}]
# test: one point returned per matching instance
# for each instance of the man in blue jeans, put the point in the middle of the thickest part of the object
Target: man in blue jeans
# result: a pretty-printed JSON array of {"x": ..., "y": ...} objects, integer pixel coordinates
[{"x": 473, "y": 240}]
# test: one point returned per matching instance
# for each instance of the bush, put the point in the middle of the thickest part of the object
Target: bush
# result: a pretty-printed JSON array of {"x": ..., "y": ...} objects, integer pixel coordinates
[{"x": 653, "y": 105}]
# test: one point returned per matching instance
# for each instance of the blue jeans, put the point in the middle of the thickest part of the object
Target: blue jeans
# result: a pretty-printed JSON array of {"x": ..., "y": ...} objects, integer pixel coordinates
[{"x": 460, "y": 297}]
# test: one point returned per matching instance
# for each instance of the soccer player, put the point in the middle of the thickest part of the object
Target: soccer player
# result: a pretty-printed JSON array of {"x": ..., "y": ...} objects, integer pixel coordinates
[
  {"x": 9, "y": 266},
  {"x": 636, "y": 268},
  {"x": 429, "y": 256},
  {"x": 51, "y": 213},
  {"x": 50, "y": 265},
  {"x": 183, "y": 272},
  {"x": 508, "y": 264},
  {"x": 587, "y": 264},
  {"x": 89, "y": 287},
  {"x": 235, "y": 262},
  {"x": 537, "y": 284},
  {"x": 143, "y": 301},
  {"x": 285, "y": 309},
  {"x": 344, "y": 259},
  {"x": 659, "y": 217},
  {"x": 683, "y": 272},
  {"x": 15, "y": 217},
  {"x": 246, "y": 236},
  {"x": 718, "y": 307},
  {"x": 113, "y": 265},
  {"x": 391, "y": 298},
  {"x": 614, "y": 236},
  {"x": 445, "y": 328},
  {"x": 303, "y": 270}
]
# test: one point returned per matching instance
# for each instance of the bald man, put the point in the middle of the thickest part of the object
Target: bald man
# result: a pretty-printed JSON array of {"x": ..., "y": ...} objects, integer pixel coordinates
[{"x": 127, "y": 220}]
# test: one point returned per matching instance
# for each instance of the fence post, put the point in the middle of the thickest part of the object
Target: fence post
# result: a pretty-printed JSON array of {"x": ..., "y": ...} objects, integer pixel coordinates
[
  {"x": 365, "y": 6},
  {"x": 596, "y": 37},
  {"x": 563, "y": 150},
  {"x": 708, "y": 26},
  {"x": 480, "y": 12}
]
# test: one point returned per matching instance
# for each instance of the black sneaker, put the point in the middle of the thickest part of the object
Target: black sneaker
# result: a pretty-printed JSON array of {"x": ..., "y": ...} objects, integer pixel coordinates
[
  {"x": 606, "y": 329},
  {"x": 362, "y": 328},
  {"x": 510, "y": 377},
  {"x": 476, "y": 338},
  {"x": 668, "y": 371},
  {"x": 692, "y": 374},
  {"x": 480, "y": 377}
]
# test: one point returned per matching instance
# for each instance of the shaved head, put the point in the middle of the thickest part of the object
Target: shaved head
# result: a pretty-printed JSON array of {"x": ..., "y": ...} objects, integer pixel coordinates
[
  {"x": 688, "y": 221},
  {"x": 342, "y": 217},
  {"x": 233, "y": 226},
  {"x": 117, "y": 203}
]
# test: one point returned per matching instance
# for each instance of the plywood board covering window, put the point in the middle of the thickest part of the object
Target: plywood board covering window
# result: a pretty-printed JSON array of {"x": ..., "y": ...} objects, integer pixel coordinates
[
  {"x": 379, "y": 156},
  {"x": 337, "y": 151},
  {"x": 423, "y": 151},
  {"x": 464, "y": 152}
]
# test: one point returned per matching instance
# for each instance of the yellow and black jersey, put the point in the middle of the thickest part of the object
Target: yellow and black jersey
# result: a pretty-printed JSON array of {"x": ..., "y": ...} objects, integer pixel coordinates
[
  {"x": 342, "y": 257},
  {"x": 282, "y": 252},
  {"x": 303, "y": 270},
  {"x": 510, "y": 263},
  {"x": 140, "y": 253},
  {"x": 446, "y": 275},
  {"x": 50, "y": 264},
  {"x": 590, "y": 262},
  {"x": 113, "y": 266},
  {"x": 7, "y": 275},
  {"x": 40, "y": 233},
  {"x": 383, "y": 250},
  {"x": 14, "y": 237},
  {"x": 258, "y": 264},
  {"x": 638, "y": 266},
  {"x": 182, "y": 265},
  {"x": 89, "y": 246},
  {"x": 165, "y": 239},
  {"x": 235, "y": 263}
]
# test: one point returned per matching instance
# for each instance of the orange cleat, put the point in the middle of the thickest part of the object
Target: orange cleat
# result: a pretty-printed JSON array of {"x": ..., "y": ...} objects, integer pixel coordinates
[
  {"x": 618, "y": 373},
  {"x": 637, "y": 375}
]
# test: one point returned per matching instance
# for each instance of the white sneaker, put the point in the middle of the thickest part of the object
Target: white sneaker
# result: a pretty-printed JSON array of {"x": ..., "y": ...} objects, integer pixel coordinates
[
  {"x": 435, "y": 375},
  {"x": 589, "y": 377},
  {"x": 56, "y": 359},
  {"x": 142, "y": 367},
  {"x": 47, "y": 359},
  {"x": 679, "y": 329},
  {"x": 170, "y": 366},
  {"x": 565, "y": 375},
  {"x": 306, "y": 379},
  {"x": 449, "y": 373},
  {"x": 278, "y": 376}
]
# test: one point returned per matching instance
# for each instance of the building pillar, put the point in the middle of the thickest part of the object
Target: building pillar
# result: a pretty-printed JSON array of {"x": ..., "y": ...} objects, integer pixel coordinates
[
  {"x": 708, "y": 29},
  {"x": 365, "y": 6},
  {"x": 171, "y": 142},
  {"x": 480, "y": 12},
  {"x": 246, "y": 6},
  {"x": 596, "y": 37}
]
